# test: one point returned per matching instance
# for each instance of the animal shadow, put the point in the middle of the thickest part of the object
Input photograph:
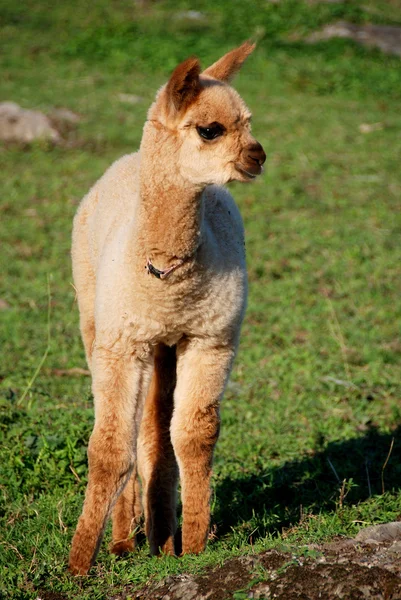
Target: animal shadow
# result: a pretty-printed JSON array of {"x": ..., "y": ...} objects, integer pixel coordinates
[{"x": 277, "y": 498}]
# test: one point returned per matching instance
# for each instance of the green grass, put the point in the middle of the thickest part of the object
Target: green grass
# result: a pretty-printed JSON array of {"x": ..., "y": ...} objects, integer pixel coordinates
[{"x": 315, "y": 394}]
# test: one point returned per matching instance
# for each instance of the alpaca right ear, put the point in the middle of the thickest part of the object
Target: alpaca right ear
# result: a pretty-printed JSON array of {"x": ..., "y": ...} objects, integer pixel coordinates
[{"x": 183, "y": 86}]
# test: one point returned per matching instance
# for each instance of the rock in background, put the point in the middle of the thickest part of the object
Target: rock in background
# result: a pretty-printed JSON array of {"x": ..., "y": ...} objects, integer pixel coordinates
[
  {"x": 25, "y": 126},
  {"x": 20, "y": 125},
  {"x": 385, "y": 37}
]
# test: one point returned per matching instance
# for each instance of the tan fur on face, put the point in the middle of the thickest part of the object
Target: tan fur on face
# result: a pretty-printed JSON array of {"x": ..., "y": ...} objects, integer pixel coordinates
[
  {"x": 209, "y": 100},
  {"x": 163, "y": 207},
  {"x": 211, "y": 162}
]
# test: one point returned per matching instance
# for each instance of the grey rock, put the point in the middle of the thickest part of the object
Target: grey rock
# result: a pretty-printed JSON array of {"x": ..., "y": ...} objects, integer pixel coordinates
[
  {"x": 380, "y": 533},
  {"x": 371, "y": 542},
  {"x": 187, "y": 589},
  {"x": 130, "y": 98},
  {"x": 395, "y": 548},
  {"x": 191, "y": 15},
  {"x": 65, "y": 114},
  {"x": 385, "y": 37},
  {"x": 20, "y": 125}
]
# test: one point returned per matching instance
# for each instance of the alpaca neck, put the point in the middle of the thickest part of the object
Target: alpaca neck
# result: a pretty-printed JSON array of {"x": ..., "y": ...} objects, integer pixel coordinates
[{"x": 170, "y": 207}]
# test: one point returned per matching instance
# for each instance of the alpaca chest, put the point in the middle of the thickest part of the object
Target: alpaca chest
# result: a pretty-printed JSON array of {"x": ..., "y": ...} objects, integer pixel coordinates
[
  {"x": 214, "y": 310},
  {"x": 156, "y": 312}
]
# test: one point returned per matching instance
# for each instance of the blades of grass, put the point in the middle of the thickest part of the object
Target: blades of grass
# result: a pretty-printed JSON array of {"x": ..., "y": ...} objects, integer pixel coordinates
[
  {"x": 338, "y": 336},
  {"x": 386, "y": 461},
  {"x": 46, "y": 352}
]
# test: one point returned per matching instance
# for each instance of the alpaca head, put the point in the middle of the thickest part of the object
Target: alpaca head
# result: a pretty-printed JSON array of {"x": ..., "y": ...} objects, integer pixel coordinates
[{"x": 208, "y": 122}]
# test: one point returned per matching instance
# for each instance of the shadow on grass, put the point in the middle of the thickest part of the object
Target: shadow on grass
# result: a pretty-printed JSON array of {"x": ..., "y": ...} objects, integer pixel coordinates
[{"x": 273, "y": 499}]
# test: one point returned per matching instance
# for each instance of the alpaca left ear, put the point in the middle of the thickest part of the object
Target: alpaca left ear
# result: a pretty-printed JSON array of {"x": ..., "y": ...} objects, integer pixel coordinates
[
  {"x": 183, "y": 86},
  {"x": 227, "y": 66}
]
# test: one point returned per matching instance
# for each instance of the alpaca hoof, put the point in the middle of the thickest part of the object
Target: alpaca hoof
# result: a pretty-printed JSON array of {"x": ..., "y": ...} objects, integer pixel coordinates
[
  {"x": 193, "y": 548},
  {"x": 123, "y": 547},
  {"x": 77, "y": 570},
  {"x": 168, "y": 547}
]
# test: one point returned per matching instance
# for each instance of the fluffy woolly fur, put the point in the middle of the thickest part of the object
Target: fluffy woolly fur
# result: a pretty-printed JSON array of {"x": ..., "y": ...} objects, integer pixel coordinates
[{"x": 159, "y": 269}]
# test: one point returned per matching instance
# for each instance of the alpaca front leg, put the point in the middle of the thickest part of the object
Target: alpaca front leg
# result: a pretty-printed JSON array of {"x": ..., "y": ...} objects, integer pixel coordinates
[
  {"x": 118, "y": 386},
  {"x": 201, "y": 377}
]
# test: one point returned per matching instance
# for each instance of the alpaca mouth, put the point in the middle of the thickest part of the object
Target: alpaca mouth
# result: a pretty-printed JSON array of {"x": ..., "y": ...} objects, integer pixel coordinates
[{"x": 245, "y": 172}]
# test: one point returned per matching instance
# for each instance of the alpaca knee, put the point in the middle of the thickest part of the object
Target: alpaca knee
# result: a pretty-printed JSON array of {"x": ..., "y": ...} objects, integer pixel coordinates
[
  {"x": 194, "y": 436},
  {"x": 109, "y": 464}
]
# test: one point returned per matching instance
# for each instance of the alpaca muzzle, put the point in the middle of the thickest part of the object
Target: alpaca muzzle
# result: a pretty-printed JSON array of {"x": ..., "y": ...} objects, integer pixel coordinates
[{"x": 252, "y": 159}]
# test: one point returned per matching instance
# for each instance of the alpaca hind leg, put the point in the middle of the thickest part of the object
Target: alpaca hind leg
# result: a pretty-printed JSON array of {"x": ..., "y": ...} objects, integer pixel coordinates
[
  {"x": 85, "y": 284},
  {"x": 156, "y": 461},
  {"x": 202, "y": 373},
  {"x": 119, "y": 384},
  {"x": 126, "y": 516}
]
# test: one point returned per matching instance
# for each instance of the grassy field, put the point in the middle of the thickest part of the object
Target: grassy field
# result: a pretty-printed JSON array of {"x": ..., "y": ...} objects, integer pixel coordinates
[{"x": 313, "y": 406}]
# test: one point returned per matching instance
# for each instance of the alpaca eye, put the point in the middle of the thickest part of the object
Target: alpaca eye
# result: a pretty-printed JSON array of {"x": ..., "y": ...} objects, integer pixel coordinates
[{"x": 212, "y": 131}]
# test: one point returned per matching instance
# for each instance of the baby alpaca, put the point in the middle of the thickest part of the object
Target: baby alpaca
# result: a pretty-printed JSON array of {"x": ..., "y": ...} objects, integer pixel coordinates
[{"x": 159, "y": 269}]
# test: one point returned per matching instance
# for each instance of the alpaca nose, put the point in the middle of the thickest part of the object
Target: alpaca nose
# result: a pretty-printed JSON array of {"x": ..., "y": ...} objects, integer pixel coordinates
[{"x": 256, "y": 153}]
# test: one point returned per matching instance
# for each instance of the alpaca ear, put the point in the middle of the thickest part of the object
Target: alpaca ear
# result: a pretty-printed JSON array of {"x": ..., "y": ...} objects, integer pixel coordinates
[
  {"x": 227, "y": 66},
  {"x": 184, "y": 86}
]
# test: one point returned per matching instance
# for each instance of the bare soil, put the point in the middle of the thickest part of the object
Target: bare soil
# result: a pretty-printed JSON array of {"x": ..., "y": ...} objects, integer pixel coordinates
[{"x": 345, "y": 569}]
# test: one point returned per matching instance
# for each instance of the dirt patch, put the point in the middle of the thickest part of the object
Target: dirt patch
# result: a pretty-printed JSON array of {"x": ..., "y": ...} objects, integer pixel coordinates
[
  {"x": 50, "y": 596},
  {"x": 345, "y": 569}
]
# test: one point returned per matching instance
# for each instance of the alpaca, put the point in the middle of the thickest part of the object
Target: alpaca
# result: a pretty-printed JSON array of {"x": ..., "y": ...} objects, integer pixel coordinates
[{"x": 159, "y": 268}]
